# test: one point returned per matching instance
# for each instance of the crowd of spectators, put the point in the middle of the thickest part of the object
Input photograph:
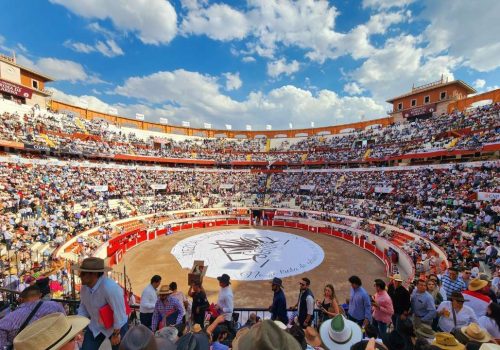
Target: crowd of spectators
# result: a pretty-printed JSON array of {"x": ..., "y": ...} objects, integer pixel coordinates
[
  {"x": 45, "y": 204},
  {"x": 70, "y": 134}
]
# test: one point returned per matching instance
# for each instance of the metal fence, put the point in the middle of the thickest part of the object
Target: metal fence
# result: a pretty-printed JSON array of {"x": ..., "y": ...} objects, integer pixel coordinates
[{"x": 9, "y": 301}]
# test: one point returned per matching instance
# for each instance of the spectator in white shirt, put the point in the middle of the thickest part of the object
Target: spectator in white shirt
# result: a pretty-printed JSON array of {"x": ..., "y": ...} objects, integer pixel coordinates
[
  {"x": 491, "y": 321},
  {"x": 225, "y": 299},
  {"x": 148, "y": 301},
  {"x": 454, "y": 313}
]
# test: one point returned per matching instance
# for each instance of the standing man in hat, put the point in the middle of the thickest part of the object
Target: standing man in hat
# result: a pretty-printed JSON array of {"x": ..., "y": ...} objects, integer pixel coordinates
[
  {"x": 477, "y": 296},
  {"x": 225, "y": 300},
  {"x": 148, "y": 301},
  {"x": 168, "y": 310},
  {"x": 278, "y": 307},
  {"x": 400, "y": 298},
  {"x": 98, "y": 291}
]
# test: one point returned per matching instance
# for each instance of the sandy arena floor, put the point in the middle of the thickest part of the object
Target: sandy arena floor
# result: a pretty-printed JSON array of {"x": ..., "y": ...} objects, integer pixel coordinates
[{"x": 342, "y": 260}]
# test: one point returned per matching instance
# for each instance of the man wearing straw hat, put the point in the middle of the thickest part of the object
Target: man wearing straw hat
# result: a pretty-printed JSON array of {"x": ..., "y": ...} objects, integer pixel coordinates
[
  {"x": 477, "y": 296},
  {"x": 55, "y": 332},
  {"x": 168, "y": 310},
  {"x": 98, "y": 294}
]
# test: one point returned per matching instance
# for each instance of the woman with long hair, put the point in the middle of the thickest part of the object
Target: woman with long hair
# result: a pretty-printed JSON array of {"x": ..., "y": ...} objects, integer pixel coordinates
[
  {"x": 433, "y": 289},
  {"x": 329, "y": 307},
  {"x": 491, "y": 321}
]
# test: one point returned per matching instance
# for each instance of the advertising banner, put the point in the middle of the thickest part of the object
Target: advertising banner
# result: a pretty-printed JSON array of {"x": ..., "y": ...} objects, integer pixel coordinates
[
  {"x": 101, "y": 188},
  {"x": 40, "y": 148},
  {"x": 14, "y": 89},
  {"x": 158, "y": 186},
  {"x": 488, "y": 196},
  {"x": 415, "y": 112}
]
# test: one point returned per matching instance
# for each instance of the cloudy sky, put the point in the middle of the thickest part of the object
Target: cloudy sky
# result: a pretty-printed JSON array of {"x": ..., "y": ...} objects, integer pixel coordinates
[{"x": 253, "y": 62}]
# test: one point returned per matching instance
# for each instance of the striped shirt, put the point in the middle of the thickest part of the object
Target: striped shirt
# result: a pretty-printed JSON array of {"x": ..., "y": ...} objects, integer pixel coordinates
[
  {"x": 451, "y": 286},
  {"x": 10, "y": 324},
  {"x": 170, "y": 306}
]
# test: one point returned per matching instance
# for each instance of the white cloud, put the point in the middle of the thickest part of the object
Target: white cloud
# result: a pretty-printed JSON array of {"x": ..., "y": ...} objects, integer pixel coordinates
[
  {"x": 22, "y": 47},
  {"x": 386, "y": 4},
  {"x": 79, "y": 47},
  {"x": 219, "y": 22},
  {"x": 353, "y": 89},
  {"x": 275, "y": 24},
  {"x": 248, "y": 59},
  {"x": 233, "y": 81},
  {"x": 191, "y": 96},
  {"x": 97, "y": 28},
  {"x": 276, "y": 68},
  {"x": 109, "y": 48},
  {"x": 154, "y": 21},
  {"x": 393, "y": 69},
  {"x": 479, "y": 83},
  {"x": 455, "y": 30},
  {"x": 64, "y": 70}
]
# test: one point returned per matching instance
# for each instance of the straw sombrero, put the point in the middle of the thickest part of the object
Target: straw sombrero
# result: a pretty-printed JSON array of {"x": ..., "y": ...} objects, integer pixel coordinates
[
  {"x": 477, "y": 284},
  {"x": 165, "y": 290},
  {"x": 476, "y": 333},
  {"x": 447, "y": 341},
  {"x": 50, "y": 332}
]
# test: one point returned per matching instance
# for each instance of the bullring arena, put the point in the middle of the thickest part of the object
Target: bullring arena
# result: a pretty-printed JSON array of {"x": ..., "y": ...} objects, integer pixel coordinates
[
  {"x": 341, "y": 260},
  {"x": 412, "y": 198}
]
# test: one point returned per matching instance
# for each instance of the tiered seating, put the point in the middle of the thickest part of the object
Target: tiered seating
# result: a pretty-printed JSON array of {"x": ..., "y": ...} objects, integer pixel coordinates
[{"x": 400, "y": 239}]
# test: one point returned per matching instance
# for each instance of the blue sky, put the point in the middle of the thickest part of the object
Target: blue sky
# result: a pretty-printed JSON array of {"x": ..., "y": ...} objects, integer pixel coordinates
[{"x": 254, "y": 62}]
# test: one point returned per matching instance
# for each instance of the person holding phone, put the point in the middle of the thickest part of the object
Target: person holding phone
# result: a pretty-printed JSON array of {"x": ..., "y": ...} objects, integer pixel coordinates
[
  {"x": 382, "y": 308},
  {"x": 329, "y": 307}
]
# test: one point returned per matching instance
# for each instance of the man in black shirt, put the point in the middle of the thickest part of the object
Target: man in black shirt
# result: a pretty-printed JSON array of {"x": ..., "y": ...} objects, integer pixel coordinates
[
  {"x": 400, "y": 299},
  {"x": 200, "y": 303}
]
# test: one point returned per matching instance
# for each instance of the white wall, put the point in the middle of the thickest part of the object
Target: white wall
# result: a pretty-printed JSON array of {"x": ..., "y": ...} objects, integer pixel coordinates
[{"x": 9, "y": 72}]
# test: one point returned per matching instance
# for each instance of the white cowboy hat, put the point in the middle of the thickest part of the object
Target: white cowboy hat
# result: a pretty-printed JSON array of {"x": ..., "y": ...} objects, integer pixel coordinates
[
  {"x": 339, "y": 333},
  {"x": 50, "y": 332}
]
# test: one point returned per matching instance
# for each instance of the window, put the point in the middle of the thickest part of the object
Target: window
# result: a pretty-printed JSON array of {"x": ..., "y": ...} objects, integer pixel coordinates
[
  {"x": 427, "y": 99},
  {"x": 34, "y": 84},
  {"x": 413, "y": 103},
  {"x": 400, "y": 106},
  {"x": 442, "y": 95}
]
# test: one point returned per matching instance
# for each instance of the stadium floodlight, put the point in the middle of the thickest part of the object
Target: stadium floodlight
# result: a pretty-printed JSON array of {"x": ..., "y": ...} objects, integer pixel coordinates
[
  {"x": 312, "y": 124},
  {"x": 163, "y": 121},
  {"x": 113, "y": 111},
  {"x": 186, "y": 124},
  {"x": 228, "y": 126},
  {"x": 290, "y": 125},
  {"x": 269, "y": 127},
  {"x": 139, "y": 116},
  {"x": 249, "y": 127},
  {"x": 207, "y": 125}
]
